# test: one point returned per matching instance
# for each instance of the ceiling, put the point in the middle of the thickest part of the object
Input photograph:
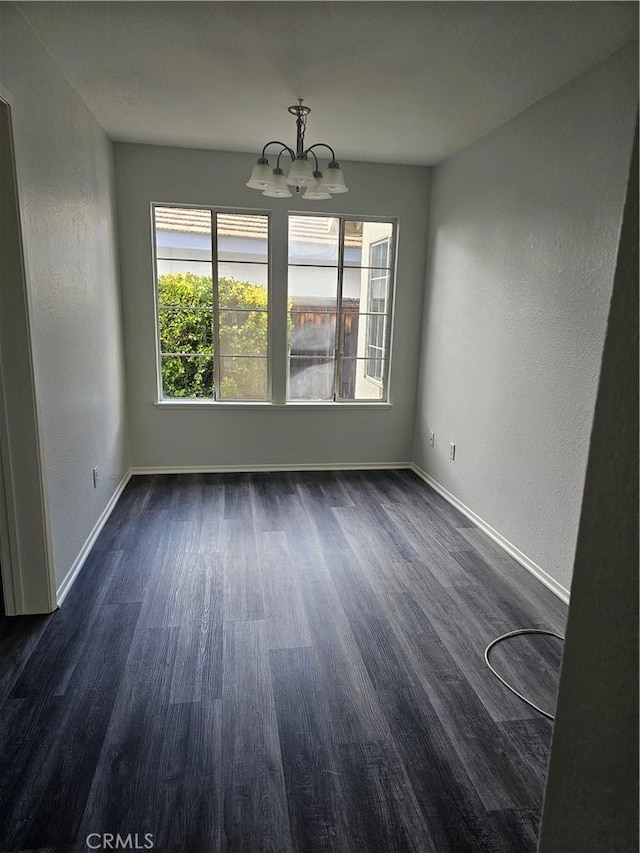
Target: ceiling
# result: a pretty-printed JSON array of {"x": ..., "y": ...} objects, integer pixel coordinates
[{"x": 387, "y": 82}]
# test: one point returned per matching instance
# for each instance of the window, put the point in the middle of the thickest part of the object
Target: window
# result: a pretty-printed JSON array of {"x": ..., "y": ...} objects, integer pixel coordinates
[
  {"x": 339, "y": 294},
  {"x": 213, "y": 298},
  {"x": 212, "y": 279},
  {"x": 378, "y": 293}
]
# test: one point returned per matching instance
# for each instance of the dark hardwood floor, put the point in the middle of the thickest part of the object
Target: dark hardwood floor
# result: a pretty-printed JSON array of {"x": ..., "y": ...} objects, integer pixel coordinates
[{"x": 280, "y": 662}]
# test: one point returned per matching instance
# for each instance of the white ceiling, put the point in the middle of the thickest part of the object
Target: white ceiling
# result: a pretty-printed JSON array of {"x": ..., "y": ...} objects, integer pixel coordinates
[{"x": 387, "y": 82}]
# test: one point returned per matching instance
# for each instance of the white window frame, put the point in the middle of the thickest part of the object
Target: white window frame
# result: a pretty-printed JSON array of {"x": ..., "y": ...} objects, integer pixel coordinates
[
  {"x": 386, "y": 241},
  {"x": 215, "y": 399},
  {"x": 390, "y": 304}
]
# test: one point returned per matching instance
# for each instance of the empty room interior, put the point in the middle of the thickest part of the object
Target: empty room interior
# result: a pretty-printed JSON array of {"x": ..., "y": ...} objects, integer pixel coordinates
[{"x": 318, "y": 434}]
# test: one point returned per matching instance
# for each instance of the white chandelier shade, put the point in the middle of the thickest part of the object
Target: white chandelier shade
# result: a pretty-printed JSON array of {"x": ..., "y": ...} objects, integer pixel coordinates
[
  {"x": 261, "y": 176},
  {"x": 278, "y": 188},
  {"x": 304, "y": 173},
  {"x": 300, "y": 173},
  {"x": 333, "y": 180},
  {"x": 315, "y": 190}
]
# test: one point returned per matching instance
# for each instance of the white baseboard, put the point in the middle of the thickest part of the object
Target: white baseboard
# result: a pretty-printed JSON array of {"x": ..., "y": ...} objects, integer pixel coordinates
[
  {"x": 249, "y": 469},
  {"x": 498, "y": 538},
  {"x": 78, "y": 563}
]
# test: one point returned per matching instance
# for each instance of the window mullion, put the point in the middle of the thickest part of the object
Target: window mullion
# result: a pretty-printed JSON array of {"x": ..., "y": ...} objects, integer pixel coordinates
[
  {"x": 278, "y": 314},
  {"x": 338, "y": 344},
  {"x": 215, "y": 296}
]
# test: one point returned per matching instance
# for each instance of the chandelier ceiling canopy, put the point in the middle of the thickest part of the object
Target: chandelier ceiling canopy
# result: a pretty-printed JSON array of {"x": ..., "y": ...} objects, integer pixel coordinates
[{"x": 304, "y": 174}]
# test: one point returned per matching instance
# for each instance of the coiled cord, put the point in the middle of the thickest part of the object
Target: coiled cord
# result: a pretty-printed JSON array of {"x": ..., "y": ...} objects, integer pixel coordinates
[{"x": 518, "y": 633}]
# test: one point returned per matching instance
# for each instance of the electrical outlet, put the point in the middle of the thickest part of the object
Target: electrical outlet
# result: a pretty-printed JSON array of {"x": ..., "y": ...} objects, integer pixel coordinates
[
  {"x": 432, "y": 438},
  {"x": 95, "y": 477},
  {"x": 452, "y": 451}
]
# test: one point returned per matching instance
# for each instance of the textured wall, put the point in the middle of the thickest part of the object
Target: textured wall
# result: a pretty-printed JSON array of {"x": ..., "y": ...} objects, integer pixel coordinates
[
  {"x": 262, "y": 435},
  {"x": 27, "y": 586},
  {"x": 65, "y": 183},
  {"x": 591, "y": 800},
  {"x": 522, "y": 242}
]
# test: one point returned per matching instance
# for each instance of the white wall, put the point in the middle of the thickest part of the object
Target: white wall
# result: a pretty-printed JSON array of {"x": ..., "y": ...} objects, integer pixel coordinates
[
  {"x": 65, "y": 184},
  {"x": 522, "y": 243},
  {"x": 591, "y": 796},
  {"x": 184, "y": 437},
  {"x": 27, "y": 581}
]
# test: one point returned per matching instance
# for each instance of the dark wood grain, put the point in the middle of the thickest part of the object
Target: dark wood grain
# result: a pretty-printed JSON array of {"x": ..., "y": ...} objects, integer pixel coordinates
[
  {"x": 280, "y": 662},
  {"x": 18, "y": 639},
  {"x": 450, "y": 805},
  {"x": 382, "y": 654},
  {"x": 380, "y": 802},
  {"x": 237, "y": 496},
  {"x": 354, "y": 714},
  {"x": 243, "y": 589},
  {"x": 287, "y": 624},
  {"x": 255, "y": 802},
  {"x": 311, "y": 769},
  {"x": 50, "y": 784}
]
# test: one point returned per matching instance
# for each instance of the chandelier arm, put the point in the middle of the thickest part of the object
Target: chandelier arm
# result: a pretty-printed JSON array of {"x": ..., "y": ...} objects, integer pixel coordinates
[
  {"x": 314, "y": 157},
  {"x": 321, "y": 145},
  {"x": 281, "y": 152},
  {"x": 277, "y": 142}
]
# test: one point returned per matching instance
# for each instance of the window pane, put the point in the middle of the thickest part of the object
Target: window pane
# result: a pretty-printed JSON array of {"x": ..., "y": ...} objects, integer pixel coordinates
[
  {"x": 310, "y": 378},
  {"x": 359, "y": 240},
  {"x": 313, "y": 240},
  {"x": 359, "y": 331},
  {"x": 312, "y": 288},
  {"x": 242, "y": 237},
  {"x": 374, "y": 367},
  {"x": 377, "y": 290},
  {"x": 358, "y": 378},
  {"x": 243, "y": 378},
  {"x": 186, "y": 330},
  {"x": 312, "y": 333},
  {"x": 353, "y": 284},
  {"x": 183, "y": 232},
  {"x": 187, "y": 376},
  {"x": 184, "y": 283},
  {"x": 365, "y": 288},
  {"x": 243, "y": 332},
  {"x": 243, "y": 286},
  {"x": 379, "y": 254},
  {"x": 349, "y": 334},
  {"x": 375, "y": 332},
  {"x": 353, "y": 243}
]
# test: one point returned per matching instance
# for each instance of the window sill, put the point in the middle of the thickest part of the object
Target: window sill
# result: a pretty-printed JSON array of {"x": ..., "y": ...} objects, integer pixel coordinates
[{"x": 264, "y": 406}]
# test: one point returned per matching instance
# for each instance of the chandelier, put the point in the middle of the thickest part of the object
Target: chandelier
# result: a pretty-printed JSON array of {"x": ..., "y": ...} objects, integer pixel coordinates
[{"x": 303, "y": 174}]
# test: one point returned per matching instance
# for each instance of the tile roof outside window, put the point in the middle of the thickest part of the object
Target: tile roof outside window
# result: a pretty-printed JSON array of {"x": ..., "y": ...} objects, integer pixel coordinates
[{"x": 305, "y": 228}]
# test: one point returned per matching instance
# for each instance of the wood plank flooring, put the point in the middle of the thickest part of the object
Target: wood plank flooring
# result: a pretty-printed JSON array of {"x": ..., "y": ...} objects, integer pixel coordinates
[{"x": 280, "y": 662}]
